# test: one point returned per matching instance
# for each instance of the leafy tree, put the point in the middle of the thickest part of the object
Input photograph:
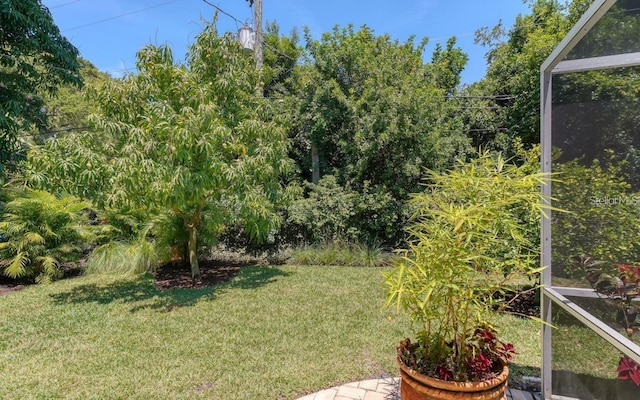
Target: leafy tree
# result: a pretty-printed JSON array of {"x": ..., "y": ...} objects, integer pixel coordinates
[
  {"x": 368, "y": 110},
  {"x": 35, "y": 59},
  {"x": 68, "y": 109},
  {"x": 376, "y": 110},
  {"x": 40, "y": 233},
  {"x": 193, "y": 142},
  {"x": 514, "y": 59},
  {"x": 281, "y": 54}
]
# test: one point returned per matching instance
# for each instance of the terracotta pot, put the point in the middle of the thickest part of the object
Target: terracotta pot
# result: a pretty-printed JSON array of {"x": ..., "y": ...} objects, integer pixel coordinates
[{"x": 415, "y": 386}]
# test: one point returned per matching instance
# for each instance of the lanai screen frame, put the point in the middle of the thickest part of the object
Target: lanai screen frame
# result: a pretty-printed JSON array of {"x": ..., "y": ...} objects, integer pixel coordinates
[{"x": 555, "y": 296}]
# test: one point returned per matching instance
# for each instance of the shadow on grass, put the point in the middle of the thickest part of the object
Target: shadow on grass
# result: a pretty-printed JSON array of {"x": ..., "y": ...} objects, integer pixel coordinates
[
  {"x": 253, "y": 277},
  {"x": 142, "y": 289}
]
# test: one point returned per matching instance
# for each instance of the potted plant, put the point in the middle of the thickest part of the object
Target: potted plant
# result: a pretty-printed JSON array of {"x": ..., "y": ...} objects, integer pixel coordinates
[{"x": 473, "y": 235}]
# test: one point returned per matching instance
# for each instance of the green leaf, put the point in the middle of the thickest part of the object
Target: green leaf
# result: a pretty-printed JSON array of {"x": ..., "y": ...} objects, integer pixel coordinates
[{"x": 17, "y": 266}]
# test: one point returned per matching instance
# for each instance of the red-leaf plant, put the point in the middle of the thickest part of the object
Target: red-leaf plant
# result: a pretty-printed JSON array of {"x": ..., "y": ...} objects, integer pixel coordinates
[
  {"x": 620, "y": 290},
  {"x": 486, "y": 356},
  {"x": 629, "y": 370}
]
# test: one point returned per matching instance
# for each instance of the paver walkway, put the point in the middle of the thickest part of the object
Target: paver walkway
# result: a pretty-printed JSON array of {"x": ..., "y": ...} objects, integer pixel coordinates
[{"x": 387, "y": 389}]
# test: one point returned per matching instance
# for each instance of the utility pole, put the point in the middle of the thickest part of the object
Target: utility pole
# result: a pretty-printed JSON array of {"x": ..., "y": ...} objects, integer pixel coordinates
[
  {"x": 257, "y": 17},
  {"x": 257, "y": 49}
]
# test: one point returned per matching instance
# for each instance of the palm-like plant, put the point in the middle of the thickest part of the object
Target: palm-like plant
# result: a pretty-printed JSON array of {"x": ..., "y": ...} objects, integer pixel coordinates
[
  {"x": 40, "y": 232},
  {"x": 471, "y": 240}
]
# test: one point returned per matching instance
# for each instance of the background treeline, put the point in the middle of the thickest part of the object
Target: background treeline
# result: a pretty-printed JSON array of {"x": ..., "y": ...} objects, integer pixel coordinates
[{"x": 325, "y": 145}]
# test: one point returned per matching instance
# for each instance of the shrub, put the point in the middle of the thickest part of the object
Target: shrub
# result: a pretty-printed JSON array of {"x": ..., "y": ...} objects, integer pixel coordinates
[
  {"x": 333, "y": 213},
  {"x": 124, "y": 258},
  {"x": 325, "y": 214},
  {"x": 41, "y": 233},
  {"x": 341, "y": 253}
]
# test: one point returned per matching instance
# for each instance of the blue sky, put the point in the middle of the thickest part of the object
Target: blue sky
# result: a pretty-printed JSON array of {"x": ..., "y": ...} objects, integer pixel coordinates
[{"x": 110, "y": 32}]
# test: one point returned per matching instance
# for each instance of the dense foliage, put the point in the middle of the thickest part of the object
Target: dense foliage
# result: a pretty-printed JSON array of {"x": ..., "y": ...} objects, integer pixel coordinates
[
  {"x": 368, "y": 110},
  {"x": 40, "y": 233},
  {"x": 194, "y": 143},
  {"x": 375, "y": 110},
  {"x": 331, "y": 212},
  {"x": 34, "y": 59}
]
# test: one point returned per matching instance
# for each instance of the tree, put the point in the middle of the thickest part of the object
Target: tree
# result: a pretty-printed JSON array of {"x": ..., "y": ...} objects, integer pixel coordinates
[
  {"x": 193, "y": 142},
  {"x": 375, "y": 113},
  {"x": 35, "y": 59},
  {"x": 281, "y": 56},
  {"x": 514, "y": 59}
]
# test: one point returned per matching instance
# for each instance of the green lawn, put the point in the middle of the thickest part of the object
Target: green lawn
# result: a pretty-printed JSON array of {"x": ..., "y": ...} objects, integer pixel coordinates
[{"x": 271, "y": 333}]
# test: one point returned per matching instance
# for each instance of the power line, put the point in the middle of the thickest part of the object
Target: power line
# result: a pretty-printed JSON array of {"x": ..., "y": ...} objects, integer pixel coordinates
[
  {"x": 488, "y": 97},
  {"x": 224, "y": 12},
  {"x": 277, "y": 50},
  {"x": 64, "y": 4},
  {"x": 120, "y": 16}
]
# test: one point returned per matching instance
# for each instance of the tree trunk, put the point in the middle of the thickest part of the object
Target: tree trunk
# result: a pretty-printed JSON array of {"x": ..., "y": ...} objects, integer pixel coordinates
[
  {"x": 315, "y": 163},
  {"x": 192, "y": 249},
  {"x": 192, "y": 223}
]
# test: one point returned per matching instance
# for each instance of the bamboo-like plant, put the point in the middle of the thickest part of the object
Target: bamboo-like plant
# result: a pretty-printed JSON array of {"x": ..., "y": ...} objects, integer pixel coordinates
[
  {"x": 40, "y": 232},
  {"x": 473, "y": 234}
]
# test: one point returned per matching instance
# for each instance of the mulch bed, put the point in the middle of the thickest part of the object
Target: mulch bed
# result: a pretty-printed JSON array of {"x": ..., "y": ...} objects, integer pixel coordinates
[
  {"x": 8, "y": 285},
  {"x": 168, "y": 276},
  {"x": 6, "y": 288},
  {"x": 525, "y": 304},
  {"x": 522, "y": 303},
  {"x": 178, "y": 276}
]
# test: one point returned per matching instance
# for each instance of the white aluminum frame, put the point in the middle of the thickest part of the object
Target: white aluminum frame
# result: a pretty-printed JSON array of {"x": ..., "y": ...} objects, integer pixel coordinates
[{"x": 555, "y": 296}]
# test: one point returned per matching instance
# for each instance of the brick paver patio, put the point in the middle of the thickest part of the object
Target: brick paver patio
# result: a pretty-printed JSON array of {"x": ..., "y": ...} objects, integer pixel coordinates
[{"x": 387, "y": 389}]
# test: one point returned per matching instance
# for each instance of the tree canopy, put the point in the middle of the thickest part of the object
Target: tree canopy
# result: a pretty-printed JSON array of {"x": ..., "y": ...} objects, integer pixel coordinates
[
  {"x": 194, "y": 142},
  {"x": 377, "y": 112},
  {"x": 35, "y": 59},
  {"x": 371, "y": 111},
  {"x": 514, "y": 59}
]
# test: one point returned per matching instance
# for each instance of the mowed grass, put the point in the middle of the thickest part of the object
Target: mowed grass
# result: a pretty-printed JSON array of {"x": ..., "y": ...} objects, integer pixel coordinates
[{"x": 271, "y": 333}]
